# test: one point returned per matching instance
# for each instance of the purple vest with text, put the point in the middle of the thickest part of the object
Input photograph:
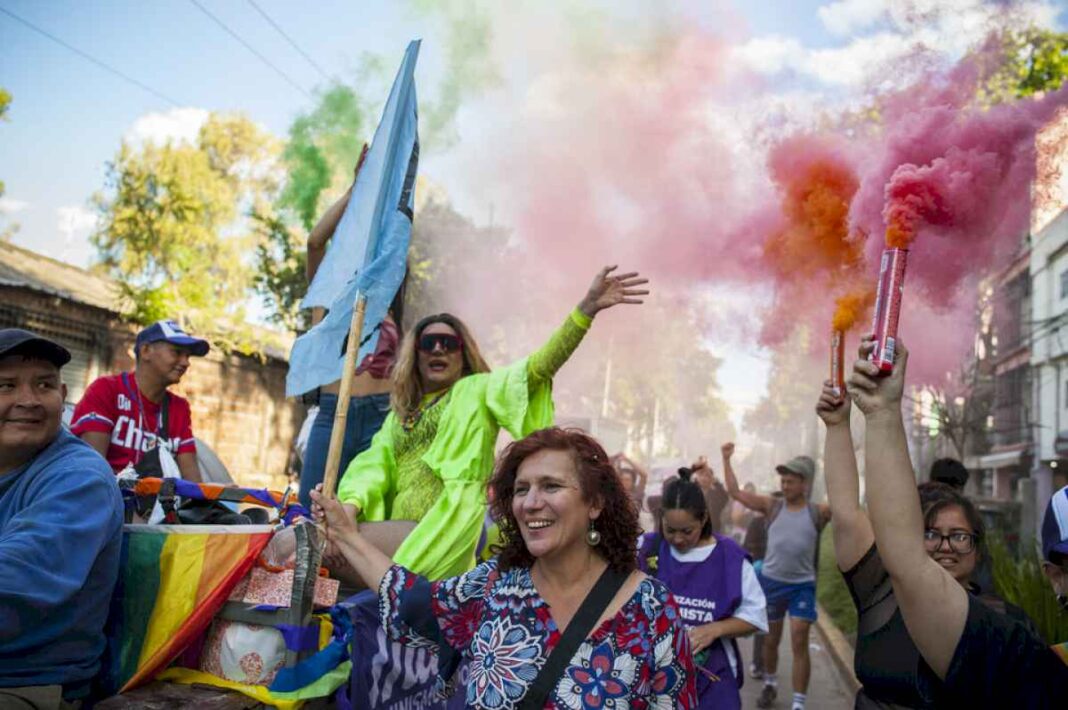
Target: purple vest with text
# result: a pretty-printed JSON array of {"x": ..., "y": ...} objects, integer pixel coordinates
[{"x": 705, "y": 591}]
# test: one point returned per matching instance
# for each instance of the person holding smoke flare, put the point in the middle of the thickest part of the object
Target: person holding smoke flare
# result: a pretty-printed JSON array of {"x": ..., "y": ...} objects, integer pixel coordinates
[
  {"x": 887, "y": 662},
  {"x": 984, "y": 659},
  {"x": 430, "y": 460},
  {"x": 713, "y": 582},
  {"x": 565, "y": 578}
]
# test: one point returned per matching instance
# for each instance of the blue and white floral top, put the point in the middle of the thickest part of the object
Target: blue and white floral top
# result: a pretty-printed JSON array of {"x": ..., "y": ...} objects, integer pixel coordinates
[{"x": 640, "y": 658}]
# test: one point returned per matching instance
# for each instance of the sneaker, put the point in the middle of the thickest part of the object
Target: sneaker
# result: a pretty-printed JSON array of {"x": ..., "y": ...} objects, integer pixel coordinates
[
  {"x": 755, "y": 671},
  {"x": 767, "y": 697}
]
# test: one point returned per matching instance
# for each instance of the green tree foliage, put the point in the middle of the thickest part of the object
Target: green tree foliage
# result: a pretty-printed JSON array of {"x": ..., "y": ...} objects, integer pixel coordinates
[
  {"x": 172, "y": 231},
  {"x": 281, "y": 261},
  {"x": 1018, "y": 578},
  {"x": 1024, "y": 63},
  {"x": 5, "y": 104}
]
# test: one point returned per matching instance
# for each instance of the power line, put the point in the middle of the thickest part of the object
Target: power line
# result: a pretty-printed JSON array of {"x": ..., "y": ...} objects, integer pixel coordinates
[
  {"x": 250, "y": 48},
  {"x": 289, "y": 39},
  {"x": 103, "y": 65}
]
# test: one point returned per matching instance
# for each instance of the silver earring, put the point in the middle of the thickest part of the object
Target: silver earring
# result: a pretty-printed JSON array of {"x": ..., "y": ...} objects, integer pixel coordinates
[{"x": 593, "y": 538}]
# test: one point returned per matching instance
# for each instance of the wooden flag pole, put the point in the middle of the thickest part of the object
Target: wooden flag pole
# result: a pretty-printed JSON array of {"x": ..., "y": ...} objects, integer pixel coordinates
[{"x": 341, "y": 416}]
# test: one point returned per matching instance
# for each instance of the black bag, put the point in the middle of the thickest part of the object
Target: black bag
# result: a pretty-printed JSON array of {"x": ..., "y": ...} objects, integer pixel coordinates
[{"x": 576, "y": 632}]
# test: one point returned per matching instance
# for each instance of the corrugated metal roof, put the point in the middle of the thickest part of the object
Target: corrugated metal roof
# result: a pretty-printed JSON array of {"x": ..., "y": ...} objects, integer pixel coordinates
[{"x": 24, "y": 268}]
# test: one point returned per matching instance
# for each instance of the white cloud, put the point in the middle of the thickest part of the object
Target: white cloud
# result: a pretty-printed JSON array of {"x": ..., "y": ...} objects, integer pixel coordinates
[
  {"x": 75, "y": 223},
  {"x": 9, "y": 205},
  {"x": 180, "y": 125},
  {"x": 857, "y": 62},
  {"x": 769, "y": 55},
  {"x": 906, "y": 29},
  {"x": 847, "y": 16}
]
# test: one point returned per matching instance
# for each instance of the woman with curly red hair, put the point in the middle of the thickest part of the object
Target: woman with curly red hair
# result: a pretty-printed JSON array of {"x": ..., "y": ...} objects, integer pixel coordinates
[{"x": 562, "y": 617}]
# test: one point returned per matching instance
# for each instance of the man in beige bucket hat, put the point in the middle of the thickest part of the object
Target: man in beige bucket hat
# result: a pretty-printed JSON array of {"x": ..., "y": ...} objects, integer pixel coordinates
[{"x": 788, "y": 573}]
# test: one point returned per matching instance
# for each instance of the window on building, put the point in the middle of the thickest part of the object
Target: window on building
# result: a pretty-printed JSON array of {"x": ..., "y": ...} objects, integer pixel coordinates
[{"x": 1064, "y": 284}]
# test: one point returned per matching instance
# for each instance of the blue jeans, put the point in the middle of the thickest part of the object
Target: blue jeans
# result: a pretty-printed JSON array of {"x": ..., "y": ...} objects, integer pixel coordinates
[{"x": 366, "y": 415}]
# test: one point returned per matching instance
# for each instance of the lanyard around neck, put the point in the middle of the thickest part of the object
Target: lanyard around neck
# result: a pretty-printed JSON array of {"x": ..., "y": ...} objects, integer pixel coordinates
[{"x": 135, "y": 394}]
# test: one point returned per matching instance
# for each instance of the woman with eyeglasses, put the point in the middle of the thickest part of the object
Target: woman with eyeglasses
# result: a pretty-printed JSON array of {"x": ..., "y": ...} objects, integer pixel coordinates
[
  {"x": 430, "y": 461},
  {"x": 887, "y": 662},
  {"x": 978, "y": 657}
]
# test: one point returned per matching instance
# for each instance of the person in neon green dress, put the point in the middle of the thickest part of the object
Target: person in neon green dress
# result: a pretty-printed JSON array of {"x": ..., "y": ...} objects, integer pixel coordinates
[{"x": 430, "y": 461}]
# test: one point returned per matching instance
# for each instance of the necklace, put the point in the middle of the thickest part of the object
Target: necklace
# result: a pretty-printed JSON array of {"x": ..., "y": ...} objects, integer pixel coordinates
[{"x": 413, "y": 418}]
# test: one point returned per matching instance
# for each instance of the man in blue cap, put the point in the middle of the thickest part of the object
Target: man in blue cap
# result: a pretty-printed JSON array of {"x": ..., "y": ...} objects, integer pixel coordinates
[
  {"x": 126, "y": 416},
  {"x": 60, "y": 534}
]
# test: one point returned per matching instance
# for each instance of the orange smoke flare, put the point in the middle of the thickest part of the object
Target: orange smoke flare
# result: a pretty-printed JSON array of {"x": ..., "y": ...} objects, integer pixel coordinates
[
  {"x": 849, "y": 307},
  {"x": 900, "y": 233}
]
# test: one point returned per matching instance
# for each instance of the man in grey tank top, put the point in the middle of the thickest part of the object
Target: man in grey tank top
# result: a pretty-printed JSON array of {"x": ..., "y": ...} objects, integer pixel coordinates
[{"x": 788, "y": 575}]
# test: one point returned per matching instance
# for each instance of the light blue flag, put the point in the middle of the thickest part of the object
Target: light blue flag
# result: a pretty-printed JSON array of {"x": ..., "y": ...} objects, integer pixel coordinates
[{"x": 369, "y": 251}]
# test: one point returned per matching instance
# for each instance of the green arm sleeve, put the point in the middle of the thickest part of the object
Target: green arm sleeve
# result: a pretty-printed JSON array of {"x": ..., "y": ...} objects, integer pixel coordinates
[
  {"x": 543, "y": 364},
  {"x": 368, "y": 482}
]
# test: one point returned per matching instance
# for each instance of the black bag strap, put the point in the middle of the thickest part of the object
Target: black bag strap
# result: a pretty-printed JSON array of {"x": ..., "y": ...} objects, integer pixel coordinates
[
  {"x": 164, "y": 419},
  {"x": 576, "y": 632}
]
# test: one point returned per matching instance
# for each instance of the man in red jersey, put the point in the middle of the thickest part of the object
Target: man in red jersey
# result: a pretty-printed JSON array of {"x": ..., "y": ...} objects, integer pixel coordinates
[{"x": 126, "y": 416}]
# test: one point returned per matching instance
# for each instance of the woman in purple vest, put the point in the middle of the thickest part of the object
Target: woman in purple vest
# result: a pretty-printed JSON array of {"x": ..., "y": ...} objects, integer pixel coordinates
[{"x": 714, "y": 584}]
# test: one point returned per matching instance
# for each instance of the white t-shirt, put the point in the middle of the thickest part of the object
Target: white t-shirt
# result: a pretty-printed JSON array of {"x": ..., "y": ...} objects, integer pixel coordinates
[{"x": 754, "y": 607}]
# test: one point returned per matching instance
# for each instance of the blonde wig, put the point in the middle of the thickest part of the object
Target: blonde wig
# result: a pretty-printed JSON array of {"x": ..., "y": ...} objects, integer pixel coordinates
[{"x": 407, "y": 386}]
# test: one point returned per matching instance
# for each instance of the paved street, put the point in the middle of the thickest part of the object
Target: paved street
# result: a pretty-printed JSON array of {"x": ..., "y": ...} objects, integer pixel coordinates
[{"x": 826, "y": 690}]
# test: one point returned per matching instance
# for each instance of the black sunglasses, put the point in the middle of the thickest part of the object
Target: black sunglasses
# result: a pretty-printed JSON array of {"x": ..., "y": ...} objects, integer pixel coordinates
[{"x": 448, "y": 343}]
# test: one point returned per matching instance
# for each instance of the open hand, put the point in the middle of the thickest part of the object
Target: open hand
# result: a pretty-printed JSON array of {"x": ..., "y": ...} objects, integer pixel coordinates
[
  {"x": 609, "y": 290},
  {"x": 833, "y": 407},
  {"x": 874, "y": 393}
]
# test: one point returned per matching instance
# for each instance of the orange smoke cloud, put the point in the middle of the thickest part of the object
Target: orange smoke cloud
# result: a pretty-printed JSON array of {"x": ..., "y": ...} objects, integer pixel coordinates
[
  {"x": 848, "y": 308},
  {"x": 814, "y": 237}
]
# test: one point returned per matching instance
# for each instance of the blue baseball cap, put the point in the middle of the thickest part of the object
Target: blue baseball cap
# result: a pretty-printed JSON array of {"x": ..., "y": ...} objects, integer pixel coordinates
[
  {"x": 171, "y": 332},
  {"x": 1055, "y": 525}
]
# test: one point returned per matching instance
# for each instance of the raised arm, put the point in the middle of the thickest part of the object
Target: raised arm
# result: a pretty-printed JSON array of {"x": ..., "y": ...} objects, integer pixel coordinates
[
  {"x": 933, "y": 605},
  {"x": 327, "y": 224},
  {"x": 853, "y": 536},
  {"x": 753, "y": 501},
  {"x": 642, "y": 475},
  {"x": 606, "y": 291}
]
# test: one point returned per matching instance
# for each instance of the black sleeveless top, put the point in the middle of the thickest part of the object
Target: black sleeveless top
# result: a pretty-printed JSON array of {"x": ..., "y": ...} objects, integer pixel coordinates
[{"x": 887, "y": 662}]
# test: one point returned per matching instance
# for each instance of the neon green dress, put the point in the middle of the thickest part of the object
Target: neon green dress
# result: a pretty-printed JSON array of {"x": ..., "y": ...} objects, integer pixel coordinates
[{"x": 436, "y": 472}]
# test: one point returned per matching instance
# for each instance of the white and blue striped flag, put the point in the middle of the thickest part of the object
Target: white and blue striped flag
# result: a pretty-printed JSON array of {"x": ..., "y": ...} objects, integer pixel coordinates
[{"x": 368, "y": 253}]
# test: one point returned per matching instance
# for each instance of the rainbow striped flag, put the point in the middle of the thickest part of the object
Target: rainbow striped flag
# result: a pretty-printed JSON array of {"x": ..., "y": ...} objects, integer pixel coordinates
[{"x": 173, "y": 581}]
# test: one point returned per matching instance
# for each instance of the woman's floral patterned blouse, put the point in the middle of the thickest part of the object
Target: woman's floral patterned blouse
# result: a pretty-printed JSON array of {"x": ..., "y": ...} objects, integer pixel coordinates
[{"x": 639, "y": 658}]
